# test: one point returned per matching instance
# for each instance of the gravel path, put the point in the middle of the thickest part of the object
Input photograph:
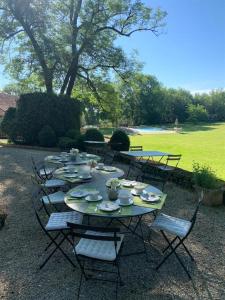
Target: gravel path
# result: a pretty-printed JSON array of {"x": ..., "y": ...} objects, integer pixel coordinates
[{"x": 22, "y": 243}]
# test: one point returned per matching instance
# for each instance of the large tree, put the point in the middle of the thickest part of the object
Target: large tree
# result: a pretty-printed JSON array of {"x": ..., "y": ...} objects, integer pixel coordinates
[{"x": 61, "y": 41}]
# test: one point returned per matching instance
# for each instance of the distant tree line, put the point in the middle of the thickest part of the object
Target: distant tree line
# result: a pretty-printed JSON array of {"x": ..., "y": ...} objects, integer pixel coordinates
[{"x": 144, "y": 100}]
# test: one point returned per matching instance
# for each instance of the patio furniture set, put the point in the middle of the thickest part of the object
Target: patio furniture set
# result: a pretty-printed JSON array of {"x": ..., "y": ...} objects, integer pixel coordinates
[{"x": 92, "y": 207}]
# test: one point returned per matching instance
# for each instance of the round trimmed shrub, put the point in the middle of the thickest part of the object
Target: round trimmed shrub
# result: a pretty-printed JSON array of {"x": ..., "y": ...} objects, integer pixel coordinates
[
  {"x": 47, "y": 137},
  {"x": 73, "y": 134},
  {"x": 94, "y": 134},
  {"x": 119, "y": 141},
  {"x": 66, "y": 143}
]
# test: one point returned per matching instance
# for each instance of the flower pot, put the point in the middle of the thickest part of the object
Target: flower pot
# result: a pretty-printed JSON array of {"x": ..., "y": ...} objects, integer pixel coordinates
[{"x": 211, "y": 197}]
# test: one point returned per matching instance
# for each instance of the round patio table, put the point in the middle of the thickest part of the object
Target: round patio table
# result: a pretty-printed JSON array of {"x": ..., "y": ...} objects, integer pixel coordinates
[
  {"x": 107, "y": 172},
  {"x": 60, "y": 159},
  {"x": 138, "y": 208}
]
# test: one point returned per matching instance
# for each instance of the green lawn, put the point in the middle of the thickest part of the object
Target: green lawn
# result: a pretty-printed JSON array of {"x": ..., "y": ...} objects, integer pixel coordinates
[{"x": 203, "y": 143}]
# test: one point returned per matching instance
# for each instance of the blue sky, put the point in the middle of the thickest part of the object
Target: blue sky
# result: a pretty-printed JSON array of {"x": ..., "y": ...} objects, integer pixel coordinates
[{"x": 191, "y": 52}]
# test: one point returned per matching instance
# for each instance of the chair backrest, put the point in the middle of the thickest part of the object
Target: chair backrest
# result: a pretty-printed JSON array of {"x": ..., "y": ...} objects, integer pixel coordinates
[
  {"x": 136, "y": 148},
  {"x": 34, "y": 200},
  {"x": 37, "y": 166},
  {"x": 77, "y": 230},
  {"x": 193, "y": 218},
  {"x": 173, "y": 158}
]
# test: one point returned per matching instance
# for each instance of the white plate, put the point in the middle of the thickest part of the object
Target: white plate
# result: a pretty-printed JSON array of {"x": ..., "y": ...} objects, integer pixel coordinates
[
  {"x": 109, "y": 169},
  {"x": 90, "y": 156},
  {"x": 70, "y": 175},
  {"x": 128, "y": 183},
  {"x": 91, "y": 200},
  {"x": 85, "y": 177},
  {"x": 135, "y": 193},
  {"x": 108, "y": 206},
  {"x": 123, "y": 204},
  {"x": 99, "y": 168},
  {"x": 150, "y": 197},
  {"x": 79, "y": 194}
]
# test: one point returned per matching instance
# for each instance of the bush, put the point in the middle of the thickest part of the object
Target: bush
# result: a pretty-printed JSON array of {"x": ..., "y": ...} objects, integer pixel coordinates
[
  {"x": 66, "y": 143},
  {"x": 93, "y": 134},
  {"x": 36, "y": 110},
  {"x": 73, "y": 134},
  {"x": 205, "y": 177},
  {"x": 80, "y": 142},
  {"x": 119, "y": 141},
  {"x": 8, "y": 125},
  {"x": 47, "y": 137},
  {"x": 197, "y": 113}
]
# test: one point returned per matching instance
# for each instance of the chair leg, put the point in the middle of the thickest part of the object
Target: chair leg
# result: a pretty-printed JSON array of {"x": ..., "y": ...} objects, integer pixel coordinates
[
  {"x": 188, "y": 252},
  {"x": 80, "y": 283},
  {"x": 164, "y": 250},
  {"x": 173, "y": 250},
  {"x": 57, "y": 248}
]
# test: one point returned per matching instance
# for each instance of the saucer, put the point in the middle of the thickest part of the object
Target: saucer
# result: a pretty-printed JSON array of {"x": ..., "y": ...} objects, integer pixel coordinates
[
  {"x": 123, "y": 204},
  {"x": 79, "y": 194},
  {"x": 108, "y": 206},
  {"x": 150, "y": 197},
  {"x": 128, "y": 183},
  {"x": 93, "y": 200},
  {"x": 135, "y": 193},
  {"x": 109, "y": 169},
  {"x": 70, "y": 175},
  {"x": 85, "y": 177}
]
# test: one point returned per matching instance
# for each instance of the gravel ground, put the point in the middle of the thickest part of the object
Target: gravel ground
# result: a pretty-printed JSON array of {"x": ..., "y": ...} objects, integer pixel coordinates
[{"x": 22, "y": 243}]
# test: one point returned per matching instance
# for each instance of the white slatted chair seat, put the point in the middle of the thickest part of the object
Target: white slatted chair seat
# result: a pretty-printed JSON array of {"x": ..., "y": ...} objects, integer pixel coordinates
[
  {"x": 104, "y": 250},
  {"x": 172, "y": 225},
  {"x": 46, "y": 171},
  {"x": 55, "y": 198},
  {"x": 53, "y": 183},
  {"x": 58, "y": 221}
]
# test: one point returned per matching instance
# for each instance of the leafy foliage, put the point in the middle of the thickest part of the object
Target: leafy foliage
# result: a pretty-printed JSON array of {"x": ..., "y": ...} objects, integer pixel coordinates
[
  {"x": 204, "y": 177},
  {"x": 66, "y": 143},
  {"x": 8, "y": 125},
  {"x": 61, "y": 41},
  {"x": 47, "y": 137},
  {"x": 93, "y": 134},
  {"x": 39, "y": 109},
  {"x": 197, "y": 113},
  {"x": 119, "y": 141}
]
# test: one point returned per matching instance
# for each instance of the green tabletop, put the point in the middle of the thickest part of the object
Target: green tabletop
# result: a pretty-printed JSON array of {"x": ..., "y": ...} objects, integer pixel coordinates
[{"x": 139, "y": 207}]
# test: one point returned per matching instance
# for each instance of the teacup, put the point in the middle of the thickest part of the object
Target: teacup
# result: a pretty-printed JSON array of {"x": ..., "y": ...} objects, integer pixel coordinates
[
  {"x": 139, "y": 188},
  {"x": 94, "y": 195},
  {"x": 124, "y": 196},
  {"x": 85, "y": 174},
  {"x": 100, "y": 166}
]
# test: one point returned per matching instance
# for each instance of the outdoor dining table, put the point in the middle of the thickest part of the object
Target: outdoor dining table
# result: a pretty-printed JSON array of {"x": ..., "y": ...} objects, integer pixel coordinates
[
  {"x": 107, "y": 172},
  {"x": 62, "y": 159},
  {"x": 148, "y": 153},
  {"x": 138, "y": 209}
]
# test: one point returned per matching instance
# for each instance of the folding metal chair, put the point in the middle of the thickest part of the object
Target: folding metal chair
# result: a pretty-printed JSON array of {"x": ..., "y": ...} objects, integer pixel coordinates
[
  {"x": 171, "y": 158},
  {"x": 41, "y": 170},
  {"x": 102, "y": 244},
  {"x": 180, "y": 228},
  {"x": 56, "y": 229},
  {"x": 50, "y": 184}
]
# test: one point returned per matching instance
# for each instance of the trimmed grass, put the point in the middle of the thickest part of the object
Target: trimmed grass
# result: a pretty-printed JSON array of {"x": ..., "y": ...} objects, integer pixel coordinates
[{"x": 204, "y": 143}]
